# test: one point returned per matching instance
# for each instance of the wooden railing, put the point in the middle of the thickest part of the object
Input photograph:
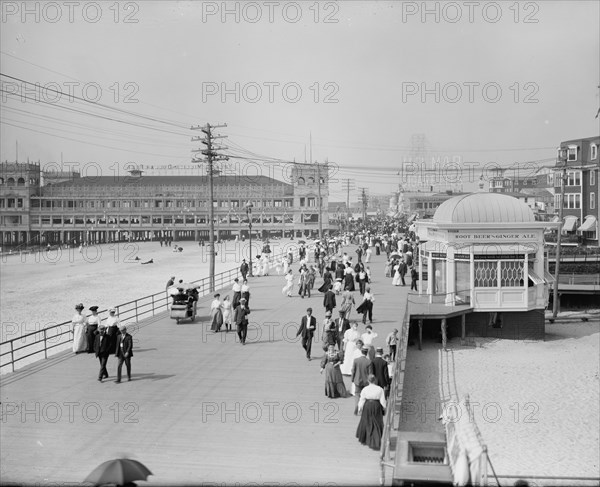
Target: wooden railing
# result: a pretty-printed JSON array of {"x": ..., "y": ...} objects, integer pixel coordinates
[{"x": 394, "y": 403}]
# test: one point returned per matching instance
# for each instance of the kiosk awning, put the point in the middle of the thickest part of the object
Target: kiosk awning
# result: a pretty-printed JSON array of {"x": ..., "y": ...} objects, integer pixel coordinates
[
  {"x": 570, "y": 223},
  {"x": 537, "y": 280},
  {"x": 588, "y": 224}
]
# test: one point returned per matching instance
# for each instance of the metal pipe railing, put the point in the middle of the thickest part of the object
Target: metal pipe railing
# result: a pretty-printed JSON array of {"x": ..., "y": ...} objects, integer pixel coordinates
[{"x": 130, "y": 310}]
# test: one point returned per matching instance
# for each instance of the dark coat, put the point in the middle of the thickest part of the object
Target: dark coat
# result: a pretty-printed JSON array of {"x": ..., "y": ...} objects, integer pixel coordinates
[
  {"x": 239, "y": 317},
  {"x": 127, "y": 340},
  {"x": 102, "y": 345},
  {"x": 307, "y": 330},
  {"x": 380, "y": 370},
  {"x": 329, "y": 300},
  {"x": 361, "y": 368}
]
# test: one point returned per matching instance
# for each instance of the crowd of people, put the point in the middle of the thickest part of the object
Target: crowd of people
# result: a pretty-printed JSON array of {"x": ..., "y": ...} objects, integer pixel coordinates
[{"x": 347, "y": 286}]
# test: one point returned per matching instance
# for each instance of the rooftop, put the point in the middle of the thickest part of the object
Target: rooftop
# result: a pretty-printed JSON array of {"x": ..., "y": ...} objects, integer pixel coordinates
[{"x": 483, "y": 208}]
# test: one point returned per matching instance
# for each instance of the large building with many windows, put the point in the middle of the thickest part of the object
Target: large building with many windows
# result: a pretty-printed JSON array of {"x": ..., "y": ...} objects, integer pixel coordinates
[
  {"x": 136, "y": 207},
  {"x": 576, "y": 179}
]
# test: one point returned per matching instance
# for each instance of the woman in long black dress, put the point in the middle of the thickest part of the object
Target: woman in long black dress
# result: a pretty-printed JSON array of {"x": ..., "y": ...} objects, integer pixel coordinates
[
  {"x": 371, "y": 408},
  {"x": 327, "y": 281},
  {"x": 334, "y": 382}
]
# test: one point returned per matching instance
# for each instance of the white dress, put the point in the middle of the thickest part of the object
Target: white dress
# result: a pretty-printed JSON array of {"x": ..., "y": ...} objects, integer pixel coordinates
[
  {"x": 79, "y": 323},
  {"x": 396, "y": 280},
  {"x": 287, "y": 289},
  {"x": 226, "y": 312},
  {"x": 350, "y": 338}
]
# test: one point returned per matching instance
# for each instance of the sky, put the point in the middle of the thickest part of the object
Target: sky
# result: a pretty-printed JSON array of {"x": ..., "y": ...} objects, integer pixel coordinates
[{"x": 387, "y": 93}]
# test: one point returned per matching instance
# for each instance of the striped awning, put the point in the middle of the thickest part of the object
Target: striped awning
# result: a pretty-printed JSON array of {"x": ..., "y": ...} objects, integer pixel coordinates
[
  {"x": 588, "y": 225},
  {"x": 570, "y": 223}
]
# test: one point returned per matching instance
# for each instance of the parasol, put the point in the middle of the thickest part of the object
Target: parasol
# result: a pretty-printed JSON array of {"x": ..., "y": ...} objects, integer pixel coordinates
[
  {"x": 119, "y": 471},
  {"x": 301, "y": 241},
  {"x": 395, "y": 255}
]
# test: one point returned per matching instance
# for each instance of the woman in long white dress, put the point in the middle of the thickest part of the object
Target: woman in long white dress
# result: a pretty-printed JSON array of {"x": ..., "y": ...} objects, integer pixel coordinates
[
  {"x": 226, "y": 306},
  {"x": 79, "y": 323},
  {"x": 350, "y": 338},
  {"x": 289, "y": 286},
  {"x": 396, "y": 280}
]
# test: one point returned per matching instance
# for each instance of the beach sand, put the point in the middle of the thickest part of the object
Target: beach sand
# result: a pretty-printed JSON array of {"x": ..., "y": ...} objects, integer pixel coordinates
[{"x": 536, "y": 403}]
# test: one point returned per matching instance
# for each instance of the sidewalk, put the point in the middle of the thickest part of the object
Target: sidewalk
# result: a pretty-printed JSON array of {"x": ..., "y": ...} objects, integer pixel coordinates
[{"x": 201, "y": 407}]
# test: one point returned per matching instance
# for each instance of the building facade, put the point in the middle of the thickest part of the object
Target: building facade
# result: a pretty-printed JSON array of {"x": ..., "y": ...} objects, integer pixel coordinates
[
  {"x": 136, "y": 207},
  {"x": 576, "y": 180}
]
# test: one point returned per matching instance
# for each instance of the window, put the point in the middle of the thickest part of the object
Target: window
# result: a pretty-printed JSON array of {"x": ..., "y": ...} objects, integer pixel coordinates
[
  {"x": 156, "y": 220},
  {"x": 592, "y": 201},
  {"x": 572, "y": 153},
  {"x": 19, "y": 202},
  {"x": 288, "y": 203},
  {"x": 312, "y": 202},
  {"x": 574, "y": 178},
  {"x": 572, "y": 200},
  {"x": 511, "y": 273},
  {"x": 277, "y": 203},
  {"x": 592, "y": 178},
  {"x": 486, "y": 274},
  {"x": 593, "y": 151},
  {"x": 302, "y": 201},
  {"x": 11, "y": 203}
]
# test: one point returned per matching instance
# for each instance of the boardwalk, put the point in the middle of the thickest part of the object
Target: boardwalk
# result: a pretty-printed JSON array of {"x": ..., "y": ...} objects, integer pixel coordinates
[{"x": 201, "y": 407}]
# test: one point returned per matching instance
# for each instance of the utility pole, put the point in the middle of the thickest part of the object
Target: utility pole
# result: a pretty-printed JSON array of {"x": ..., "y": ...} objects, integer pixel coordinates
[
  {"x": 211, "y": 156},
  {"x": 562, "y": 157},
  {"x": 364, "y": 198},
  {"x": 347, "y": 185}
]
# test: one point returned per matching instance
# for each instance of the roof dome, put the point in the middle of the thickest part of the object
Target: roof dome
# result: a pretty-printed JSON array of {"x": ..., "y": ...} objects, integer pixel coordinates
[{"x": 483, "y": 208}]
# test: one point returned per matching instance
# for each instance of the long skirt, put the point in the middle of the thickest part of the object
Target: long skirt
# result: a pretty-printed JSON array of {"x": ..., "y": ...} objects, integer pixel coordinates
[
  {"x": 334, "y": 382},
  {"x": 370, "y": 426},
  {"x": 217, "y": 321},
  {"x": 237, "y": 295},
  {"x": 79, "y": 339},
  {"x": 91, "y": 337}
]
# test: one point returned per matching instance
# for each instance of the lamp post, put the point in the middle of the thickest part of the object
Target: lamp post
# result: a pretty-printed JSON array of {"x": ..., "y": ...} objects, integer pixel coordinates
[{"x": 249, "y": 207}]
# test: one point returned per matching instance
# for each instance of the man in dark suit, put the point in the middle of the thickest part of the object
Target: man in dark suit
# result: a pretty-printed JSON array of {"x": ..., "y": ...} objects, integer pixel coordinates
[
  {"x": 380, "y": 371},
  {"x": 329, "y": 300},
  {"x": 361, "y": 368},
  {"x": 244, "y": 269},
  {"x": 102, "y": 349},
  {"x": 308, "y": 325},
  {"x": 124, "y": 352},
  {"x": 343, "y": 324},
  {"x": 240, "y": 320}
]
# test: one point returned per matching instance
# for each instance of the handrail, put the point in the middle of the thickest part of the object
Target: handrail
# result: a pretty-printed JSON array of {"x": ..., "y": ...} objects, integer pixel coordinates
[
  {"x": 130, "y": 310},
  {"x": 395, "y": 396}
]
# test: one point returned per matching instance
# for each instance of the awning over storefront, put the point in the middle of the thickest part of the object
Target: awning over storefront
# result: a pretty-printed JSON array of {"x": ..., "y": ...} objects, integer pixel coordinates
[
  {"x": 412, "y": 218},
  {"x": 537, "y": 280},
  {"x": 570, "y": 223},
  {"x": 555, "y": 219},
  {"x": 588, "y": 225}
]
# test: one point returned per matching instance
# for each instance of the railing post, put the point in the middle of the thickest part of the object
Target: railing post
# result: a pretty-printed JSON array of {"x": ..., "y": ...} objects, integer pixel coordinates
[
  {"x": 45, "y": 344},
  {"x": 153, "y": 305},
  {"x": 136, "y": 310},
  {"x": 12, "y": 355}
]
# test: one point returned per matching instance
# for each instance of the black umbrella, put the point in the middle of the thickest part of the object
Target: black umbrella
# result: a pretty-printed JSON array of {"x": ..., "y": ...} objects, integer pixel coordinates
[
  {"x": 301, "y": 241},
  {"x": 119, "y": 471}
]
